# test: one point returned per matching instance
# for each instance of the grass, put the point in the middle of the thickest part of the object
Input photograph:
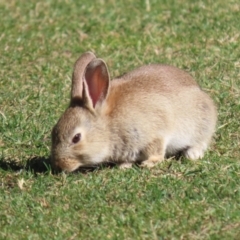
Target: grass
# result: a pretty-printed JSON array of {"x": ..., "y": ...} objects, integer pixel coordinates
[{"x": 39, "y": 43}]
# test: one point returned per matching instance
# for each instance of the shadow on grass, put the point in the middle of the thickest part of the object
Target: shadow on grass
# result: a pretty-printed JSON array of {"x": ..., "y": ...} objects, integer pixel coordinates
[
  {"x": 35, "y": 164},
  {"x": 7, "y": 165},
  {"x": 43, "y": 165},
  {"x": 38, "y": 165}
]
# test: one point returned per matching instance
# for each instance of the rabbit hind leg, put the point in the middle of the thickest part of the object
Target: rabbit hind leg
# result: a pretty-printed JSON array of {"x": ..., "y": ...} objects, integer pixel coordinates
[{"x": 195, "y": 152}]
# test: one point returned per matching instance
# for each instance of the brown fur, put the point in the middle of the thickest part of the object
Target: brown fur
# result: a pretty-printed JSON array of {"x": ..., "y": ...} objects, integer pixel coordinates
[{"x": 144, "y": 115}]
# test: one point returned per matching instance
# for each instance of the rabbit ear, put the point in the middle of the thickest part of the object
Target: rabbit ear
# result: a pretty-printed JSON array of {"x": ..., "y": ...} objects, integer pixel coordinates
[
  {"x": 78, "y": 76},
  {"x": 97, "y": 80}
]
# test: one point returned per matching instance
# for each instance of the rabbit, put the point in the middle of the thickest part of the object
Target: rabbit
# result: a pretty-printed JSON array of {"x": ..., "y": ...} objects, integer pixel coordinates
[{"x": 141, "y": 117}]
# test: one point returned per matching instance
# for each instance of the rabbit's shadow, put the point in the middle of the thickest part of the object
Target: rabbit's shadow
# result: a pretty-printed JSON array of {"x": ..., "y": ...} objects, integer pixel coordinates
[
  {"x": 10, "y": 164},
  {"x": 40, "y": 164},
  {"x": 34, "y": 164},
  {"x": 43, "y": 165}
]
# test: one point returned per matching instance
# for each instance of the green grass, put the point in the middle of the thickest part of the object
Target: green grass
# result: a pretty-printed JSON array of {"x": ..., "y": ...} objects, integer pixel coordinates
[{"x": 39, "y": 42}]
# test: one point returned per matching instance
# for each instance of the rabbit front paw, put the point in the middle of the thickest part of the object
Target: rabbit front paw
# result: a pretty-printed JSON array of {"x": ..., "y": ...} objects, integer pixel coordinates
[
  {"x": 125, "y": 165},
  {"x": 152, "y": 161}
]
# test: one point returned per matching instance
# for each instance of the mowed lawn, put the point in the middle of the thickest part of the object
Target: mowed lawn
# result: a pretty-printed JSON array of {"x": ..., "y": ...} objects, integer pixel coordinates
[{"x": 178, "y": 199}]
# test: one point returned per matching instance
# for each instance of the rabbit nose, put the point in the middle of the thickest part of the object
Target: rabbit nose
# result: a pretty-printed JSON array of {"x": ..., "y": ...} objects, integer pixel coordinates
[{"x": 65, "y": 164}]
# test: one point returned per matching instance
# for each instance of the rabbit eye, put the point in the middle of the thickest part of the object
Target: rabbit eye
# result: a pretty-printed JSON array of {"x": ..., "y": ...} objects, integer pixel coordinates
[{"x": 76, "y": 138}]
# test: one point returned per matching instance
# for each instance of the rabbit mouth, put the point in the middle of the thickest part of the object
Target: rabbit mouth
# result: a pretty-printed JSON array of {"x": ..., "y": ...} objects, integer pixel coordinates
[{"x": 65, "y": 164}]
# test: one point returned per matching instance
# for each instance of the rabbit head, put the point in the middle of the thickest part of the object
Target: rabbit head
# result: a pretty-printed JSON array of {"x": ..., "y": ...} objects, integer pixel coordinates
[{"x": 80, "y": 137}]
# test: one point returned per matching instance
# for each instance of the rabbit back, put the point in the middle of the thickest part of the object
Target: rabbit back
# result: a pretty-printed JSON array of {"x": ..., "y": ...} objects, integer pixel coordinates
[{"x": 158, "y": 101}]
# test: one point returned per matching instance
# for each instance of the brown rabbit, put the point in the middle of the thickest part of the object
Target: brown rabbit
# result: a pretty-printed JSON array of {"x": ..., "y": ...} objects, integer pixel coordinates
[{"x": 142, "y": 116}]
